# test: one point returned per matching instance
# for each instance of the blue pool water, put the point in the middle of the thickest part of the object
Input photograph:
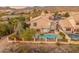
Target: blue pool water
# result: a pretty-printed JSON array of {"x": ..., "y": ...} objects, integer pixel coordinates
[
  {"x": 54, "y": 36},
  {"x": 74, "y": 36},
  {"x": 49, "y": 36}
]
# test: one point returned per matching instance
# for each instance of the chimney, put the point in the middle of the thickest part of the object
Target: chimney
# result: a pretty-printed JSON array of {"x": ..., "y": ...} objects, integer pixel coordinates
[{"x": 42, "y": 13}]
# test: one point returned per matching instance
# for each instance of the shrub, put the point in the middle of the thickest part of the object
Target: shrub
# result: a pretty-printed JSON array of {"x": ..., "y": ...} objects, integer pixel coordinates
[
  {"x": 12, "y": 37},
  {"x": 28, "y": 34},
  {"x": 66, "y": 14},
  {"x": 63, "y": 36}
]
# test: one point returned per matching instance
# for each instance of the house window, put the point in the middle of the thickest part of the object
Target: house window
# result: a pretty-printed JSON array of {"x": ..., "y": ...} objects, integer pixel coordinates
[
  {"x": 68, "y": 29},
  {"x": 38, "y": 30},
  {"x": 77, "y": 23},
  {"x": 50, "y": 18},
  {"x": 77, "y": 30},
  {"x": 34, "y": 24}
]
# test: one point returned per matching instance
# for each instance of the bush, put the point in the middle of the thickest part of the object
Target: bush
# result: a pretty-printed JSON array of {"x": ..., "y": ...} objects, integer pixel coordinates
[{"x": 28, "y": 34}]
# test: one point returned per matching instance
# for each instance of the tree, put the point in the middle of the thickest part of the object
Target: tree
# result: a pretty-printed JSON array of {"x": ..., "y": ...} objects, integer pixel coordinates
[
  {"x": 13, "y": 22},
  {"x": 46, "y": 11},
  {"x": 35, "y": 13},
  {"x": 18, "y": 21},
  {"x": 56, "y": 13},
  {"x": 57, "y": 16},
  {"x": 66, "y": 14},
  {"x": 5, "y": 29},
  {"x": 21, "y": 18}
]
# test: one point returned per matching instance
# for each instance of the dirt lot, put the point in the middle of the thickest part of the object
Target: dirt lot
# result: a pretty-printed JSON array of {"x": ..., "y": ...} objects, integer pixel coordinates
[{"x": 6, "y": 47}]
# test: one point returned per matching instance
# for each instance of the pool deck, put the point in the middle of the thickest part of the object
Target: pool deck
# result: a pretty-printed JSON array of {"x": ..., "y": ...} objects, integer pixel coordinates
[
  {"x": 51, "y": 42},
  {"x": 44, "y": 41}
]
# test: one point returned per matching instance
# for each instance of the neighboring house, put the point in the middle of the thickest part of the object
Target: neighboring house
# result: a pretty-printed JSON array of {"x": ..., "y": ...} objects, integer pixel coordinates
[
  {"x": 76, "y": 19},
  {"x": 66, "y": 26}
]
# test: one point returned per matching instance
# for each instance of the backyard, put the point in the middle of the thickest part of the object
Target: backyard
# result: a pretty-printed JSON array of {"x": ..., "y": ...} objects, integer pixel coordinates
[{"x": 39, "y": 31}]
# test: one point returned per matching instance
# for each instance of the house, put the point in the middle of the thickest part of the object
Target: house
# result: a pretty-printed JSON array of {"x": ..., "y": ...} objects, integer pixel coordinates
[{"x": 41, "y": 23}]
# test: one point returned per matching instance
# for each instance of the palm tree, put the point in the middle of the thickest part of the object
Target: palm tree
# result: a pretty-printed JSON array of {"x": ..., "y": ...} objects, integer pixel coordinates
[
  {"x": 14, "y": 23},
  {"x": 18, "y": 25}
]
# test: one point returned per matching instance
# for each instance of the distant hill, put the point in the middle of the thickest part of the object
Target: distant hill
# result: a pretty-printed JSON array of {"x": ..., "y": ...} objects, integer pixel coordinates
[{"x": 54, "y": 8}]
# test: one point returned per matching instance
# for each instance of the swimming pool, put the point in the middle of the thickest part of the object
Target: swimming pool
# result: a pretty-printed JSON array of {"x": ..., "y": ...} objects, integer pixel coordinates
[
  {"x": 49, "y": 36},
  {"x": 74, "y": 36}
]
